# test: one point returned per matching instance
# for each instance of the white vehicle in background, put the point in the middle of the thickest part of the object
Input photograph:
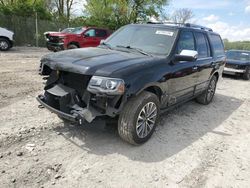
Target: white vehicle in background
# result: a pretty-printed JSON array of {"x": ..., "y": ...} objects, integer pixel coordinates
[{"x": 6, "y": 39}]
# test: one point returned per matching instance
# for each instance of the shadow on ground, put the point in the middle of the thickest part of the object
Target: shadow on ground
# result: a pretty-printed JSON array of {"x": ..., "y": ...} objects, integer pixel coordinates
[{"x": 177, "y": 130}]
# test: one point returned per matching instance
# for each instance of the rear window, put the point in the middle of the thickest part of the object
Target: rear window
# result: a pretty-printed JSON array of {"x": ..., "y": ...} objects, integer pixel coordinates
[{"x": 217, "y": 44}]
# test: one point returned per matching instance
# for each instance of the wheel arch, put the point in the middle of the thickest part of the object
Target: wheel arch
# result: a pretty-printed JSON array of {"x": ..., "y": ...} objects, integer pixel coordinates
[
  {"x": 216, "y": 74},
  {"x": 75, "y": 43},
  {"x": 153, "y": 88},
  {"x": 4, "y": 37}
]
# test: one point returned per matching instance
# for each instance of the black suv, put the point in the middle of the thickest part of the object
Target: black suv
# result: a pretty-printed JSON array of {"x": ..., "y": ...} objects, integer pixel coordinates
[
  {"x": 138, "y": 72},
  {"x": 238, "y": 63}
]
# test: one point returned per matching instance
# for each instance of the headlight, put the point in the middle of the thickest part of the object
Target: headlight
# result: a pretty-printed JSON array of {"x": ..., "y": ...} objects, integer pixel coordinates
[{"x": 111, "y": 86}]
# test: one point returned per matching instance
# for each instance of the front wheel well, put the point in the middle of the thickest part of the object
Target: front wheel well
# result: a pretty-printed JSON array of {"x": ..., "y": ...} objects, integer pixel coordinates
[
  {"x": 74, "y": 43},
  {"x": 6, "y": 38},
  {"x": 155, "y": 90}
]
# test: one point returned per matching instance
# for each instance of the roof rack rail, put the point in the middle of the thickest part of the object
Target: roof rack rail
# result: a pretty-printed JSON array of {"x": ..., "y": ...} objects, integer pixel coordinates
[
  {"x": 198, "y": 27},
  {"x": 182, "y": 24}
]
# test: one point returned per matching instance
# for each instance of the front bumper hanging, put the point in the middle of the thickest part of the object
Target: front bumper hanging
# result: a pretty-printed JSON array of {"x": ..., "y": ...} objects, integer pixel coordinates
[{"x": 64, "y": 102}]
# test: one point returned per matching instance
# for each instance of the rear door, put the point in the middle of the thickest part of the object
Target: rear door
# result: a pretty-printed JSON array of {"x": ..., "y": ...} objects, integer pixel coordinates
[
  {"x": 204, "y": 61},
  {"x": 101, "y": 34}
]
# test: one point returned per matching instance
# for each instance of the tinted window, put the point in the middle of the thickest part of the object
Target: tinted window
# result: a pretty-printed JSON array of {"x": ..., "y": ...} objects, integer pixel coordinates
[
  {"x": 90, "y": 33},
  {"x": 186, "y": 41},
  {"x": 100, "y": 33},
  {"x": 202, "y": 45},
  {"x": 155, "y": 40},
  {"x": 217, "y": 44}
]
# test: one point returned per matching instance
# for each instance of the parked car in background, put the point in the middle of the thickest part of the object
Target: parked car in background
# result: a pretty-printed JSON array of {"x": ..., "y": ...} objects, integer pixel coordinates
[
  {"x": 79, "y": 37},
  {"x": 238, "y": 63},
  {"x": 66, "y": 30},
  {"x": 138, "y": 72},
  {"x": 6, "y": 39}
]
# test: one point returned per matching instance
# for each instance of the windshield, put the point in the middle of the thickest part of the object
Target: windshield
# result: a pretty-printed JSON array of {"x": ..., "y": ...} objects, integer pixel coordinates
[
  {"x": 153, "y": 40},
  {"x": 78, "y": 30},
  {"x": 67, "y": 30},
  {"x": 238, "y": 55}
]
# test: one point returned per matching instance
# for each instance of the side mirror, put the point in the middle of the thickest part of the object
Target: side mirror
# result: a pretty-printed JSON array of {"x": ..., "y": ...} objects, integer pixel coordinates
[
  {"x": 102, "y": 41},
  {"x": 187, "y": 55}
]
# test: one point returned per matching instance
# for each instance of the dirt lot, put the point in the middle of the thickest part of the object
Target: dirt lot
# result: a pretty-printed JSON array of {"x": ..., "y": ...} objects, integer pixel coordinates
[{"x": 194, "y": 145}]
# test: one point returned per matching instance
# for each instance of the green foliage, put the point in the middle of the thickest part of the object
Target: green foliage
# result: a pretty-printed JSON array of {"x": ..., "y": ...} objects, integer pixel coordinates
[
  {"x": 238, "y": 45},
  {"x": 26, "y": 8},
  {"x": 116, "y": 13}
]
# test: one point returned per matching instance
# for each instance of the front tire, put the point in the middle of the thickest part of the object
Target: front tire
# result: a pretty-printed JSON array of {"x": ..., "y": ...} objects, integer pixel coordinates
[
  {"x": 4, "y": 44},
  {"x": 246, "y": 75},
  {"x": 138, "y": 119},
  {"x": 206, "y": 97},
  {"x": 72, "y": 46}
]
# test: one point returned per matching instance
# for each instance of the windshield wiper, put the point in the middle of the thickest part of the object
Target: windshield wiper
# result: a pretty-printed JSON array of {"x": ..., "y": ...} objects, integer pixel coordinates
[
  {"x": 136, "y": 49},
  {"x": 106, "y": 45}
]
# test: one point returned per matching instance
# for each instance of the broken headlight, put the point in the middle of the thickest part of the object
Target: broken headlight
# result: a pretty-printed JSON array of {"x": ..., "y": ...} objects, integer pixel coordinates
[{"x": 111, "y": 86}]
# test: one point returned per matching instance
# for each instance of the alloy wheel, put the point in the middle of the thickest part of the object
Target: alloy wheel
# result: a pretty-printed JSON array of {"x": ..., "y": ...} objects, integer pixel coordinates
[
  {"x": 146, "y": 120},
  {"x": 3, "y": 45},
  {"x": 211, "y": 90}
]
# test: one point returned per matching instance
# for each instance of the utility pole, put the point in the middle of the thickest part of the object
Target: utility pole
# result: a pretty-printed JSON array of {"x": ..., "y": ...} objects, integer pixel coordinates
[
  {"x": 36, "y": 20},
  {"x": 36, "y": 30}
]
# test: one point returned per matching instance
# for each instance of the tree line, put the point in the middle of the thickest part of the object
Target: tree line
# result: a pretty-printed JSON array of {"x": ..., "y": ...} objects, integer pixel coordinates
[
  {"x": 101, "y": 13},
  {"x": 237, "y": 45}
]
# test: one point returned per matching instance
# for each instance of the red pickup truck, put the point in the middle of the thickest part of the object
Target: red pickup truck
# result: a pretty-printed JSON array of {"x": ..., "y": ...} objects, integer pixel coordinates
[{"x": 79, "y": 37}]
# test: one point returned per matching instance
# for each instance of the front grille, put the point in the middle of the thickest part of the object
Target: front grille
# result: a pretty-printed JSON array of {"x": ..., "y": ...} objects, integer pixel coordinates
[
  {"x": 53, "y": 39},
  {"x": 231, "y": 66},
  {"x": 75, "y": 81},
  {"x": 234, "y": 66}
]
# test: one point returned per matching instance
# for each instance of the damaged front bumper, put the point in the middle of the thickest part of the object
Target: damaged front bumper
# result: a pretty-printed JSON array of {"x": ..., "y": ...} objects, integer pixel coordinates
[
  {"x": 67, "y": 104},
  {"x": 55, "y": 47}
]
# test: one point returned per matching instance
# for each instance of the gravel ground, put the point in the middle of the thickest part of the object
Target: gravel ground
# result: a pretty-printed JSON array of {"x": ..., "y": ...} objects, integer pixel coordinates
[{"x": 193, "y": 146}]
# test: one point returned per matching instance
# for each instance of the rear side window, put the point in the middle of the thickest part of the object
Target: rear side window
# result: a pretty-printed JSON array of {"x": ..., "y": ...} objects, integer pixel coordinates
[
  {"x": 100, "y": 33},
  {"x": 217, "y": 44},
  {"x": 186, "y": 41},
  {"x": 202, "y": 45}
]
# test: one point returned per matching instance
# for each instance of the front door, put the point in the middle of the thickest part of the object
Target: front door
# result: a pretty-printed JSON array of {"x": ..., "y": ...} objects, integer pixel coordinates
[
  {"x": 184, "y": 74},
  {"x": 90, "y": 39}
]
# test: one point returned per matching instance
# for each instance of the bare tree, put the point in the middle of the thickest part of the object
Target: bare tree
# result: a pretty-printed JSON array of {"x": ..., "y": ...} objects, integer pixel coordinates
[
  {"x": 182, "y": 15},
  {"x": 62, "y": 7}
]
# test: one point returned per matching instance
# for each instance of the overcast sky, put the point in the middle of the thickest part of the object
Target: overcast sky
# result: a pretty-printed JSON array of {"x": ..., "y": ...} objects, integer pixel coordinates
[{"x": 230, "y": 18}]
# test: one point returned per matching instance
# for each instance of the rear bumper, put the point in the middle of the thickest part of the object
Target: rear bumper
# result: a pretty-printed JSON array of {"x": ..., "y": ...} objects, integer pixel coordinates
[
  {"x": 55, "y": 46},
  {"x": 233, "y": 71}
]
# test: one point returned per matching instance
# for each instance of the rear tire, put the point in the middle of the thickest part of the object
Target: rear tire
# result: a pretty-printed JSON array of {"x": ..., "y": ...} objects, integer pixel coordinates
[
  {"x": 206, "y": 97},
  {"x": 246, "y": 75},
  {"x": 4, "y": 44},
  {"x": 72, "y": 46},
  {"x": 138, "y": 119}
]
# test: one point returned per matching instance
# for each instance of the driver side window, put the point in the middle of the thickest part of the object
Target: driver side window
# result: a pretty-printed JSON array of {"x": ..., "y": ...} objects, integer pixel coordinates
[
  {"x": 186, "y": 42},
  {"x": 90, "y": 33}
]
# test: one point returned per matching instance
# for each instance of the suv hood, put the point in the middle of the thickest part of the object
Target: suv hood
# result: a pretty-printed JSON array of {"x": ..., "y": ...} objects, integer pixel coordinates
[
  {"x": 95, "y": 61},
  {"x": 59, "y": 34}
]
